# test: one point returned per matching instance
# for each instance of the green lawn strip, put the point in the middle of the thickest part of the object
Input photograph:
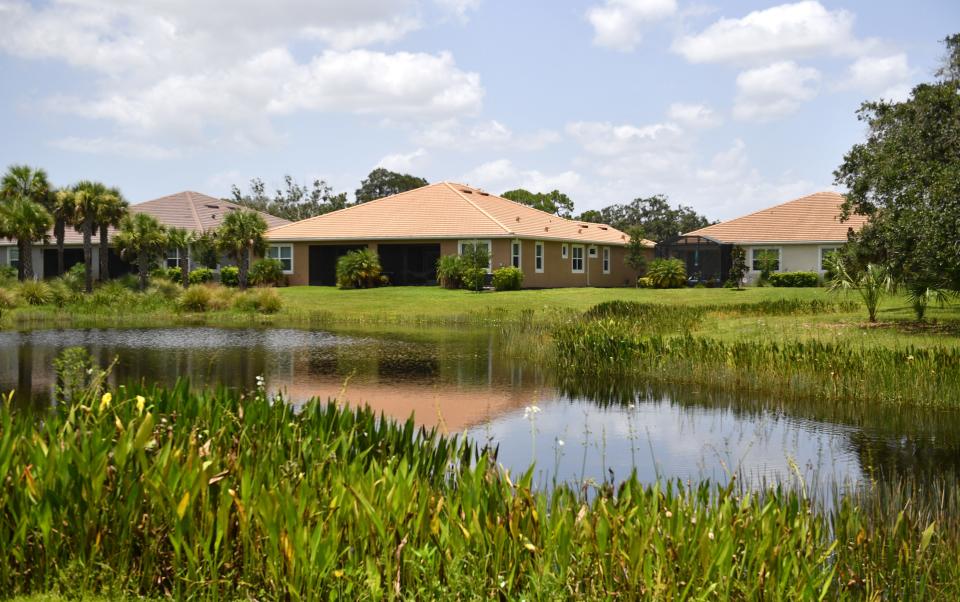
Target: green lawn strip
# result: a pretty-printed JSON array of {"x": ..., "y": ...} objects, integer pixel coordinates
[{"x": 215, "y": 495}]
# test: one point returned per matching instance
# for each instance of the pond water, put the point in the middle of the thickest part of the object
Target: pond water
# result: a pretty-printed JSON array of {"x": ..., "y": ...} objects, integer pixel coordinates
[{"x": 463, "y": 381}]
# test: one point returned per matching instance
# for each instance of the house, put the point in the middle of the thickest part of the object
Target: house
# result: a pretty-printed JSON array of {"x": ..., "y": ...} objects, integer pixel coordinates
[
  {"x": 411, "y": 230},
  {"x": 796, "y": 236},
  {"x": 193, "y": 211}
]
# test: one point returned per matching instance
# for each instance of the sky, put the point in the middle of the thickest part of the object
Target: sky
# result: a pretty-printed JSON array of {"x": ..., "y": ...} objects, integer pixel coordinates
[{"x": 728, "y": 107}]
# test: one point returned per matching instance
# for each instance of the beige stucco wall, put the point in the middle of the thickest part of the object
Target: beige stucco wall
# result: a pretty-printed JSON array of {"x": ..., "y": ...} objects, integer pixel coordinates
[
  {"x": 557, "y": 272},
  {"x": 793, "y": 257}
]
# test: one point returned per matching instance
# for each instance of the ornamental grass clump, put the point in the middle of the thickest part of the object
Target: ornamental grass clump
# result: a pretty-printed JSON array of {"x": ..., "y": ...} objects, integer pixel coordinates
[
  {"x": 35, "y": 292},
  {"x": 667, "y": 273},
  {"x": 196, "y": 298},
  {"x": 360, "y": 269},
  {"x": 156, "y": 493}
]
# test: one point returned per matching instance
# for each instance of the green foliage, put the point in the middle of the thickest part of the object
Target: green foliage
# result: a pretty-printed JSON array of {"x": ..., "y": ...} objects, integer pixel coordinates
[
  {"x": 229, "y": 496},
  {"x": 450, "y": 270},
  {"x": 768, "y": 262},
  {"x": 61, "y": 294},
  {"x": 263, "y": 300},
  {"x": 7, "y": 274},
  {"x": 27, "y": 221},
  {"x": 667, "y": 273},
  {"x": 554, "y": 202},
  {"x": 359, "y": 269},
  {"x": 738, "y": 267},
  {"x": 507, "y": 279},
  {"x": 8, "y": 299},
  {"x": 872, "y": 283},
  {"x": 203, "y": 275},
  {"x": 168, "y": 289},
  {"x": 229, "y": 275},
  {"x": 905, "y": 177},
  {"x": 196, "y": 298},
  {"x": 476, "y": 261},
  {"x": 297, "y": 202},
  {"x": 383, "y": 182},
  {"x": 654, "y": 216},
  {"x": 173, "y": 274},
  {"x": 637, "y": 251},
  {"x": 239, "y": 235},
  {"x": 921, "y": 295},
  {"x": 35, "y": 292},
  {"x": 795, "y": 279},
  {"x": 267, "y": 272},
  {"x": 142, "y": 239}
]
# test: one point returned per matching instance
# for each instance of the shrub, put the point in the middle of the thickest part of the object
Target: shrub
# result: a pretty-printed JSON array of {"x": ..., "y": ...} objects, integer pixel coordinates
[
  {"x": 8, "y": 299},
  {"x": 267, "y": 272},
  {"x": 359, "y": 269},
  {"x": 644, "y": 282},
  {"x": 60, "y": 293},
  {"x": 196, "y": 298},
  {"x": 474, "y": 279},
  {"x": 263, "y": 300},
  {"x": 8, "y": 274},
  {"x": 794, "y": 279},
  {"x": 507, "y": 279},
  {"x": 35, "y": 292},
  {"x": 174, "y": 274},
  {"x": 221, "y": 297},
  {"x": 75, "y": 277},
  {"x": 112, "y": 294},
  {"x": 167, "y": 289},
  {"x": 230, "y": 275},
  {"x": 667, "y": 273},
  {"x": 201, "y": 275},
  {"x": 450, "y": 271}
]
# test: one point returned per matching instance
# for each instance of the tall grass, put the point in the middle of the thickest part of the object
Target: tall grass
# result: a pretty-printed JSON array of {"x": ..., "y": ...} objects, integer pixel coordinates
[{"x": 217, "y": 496}]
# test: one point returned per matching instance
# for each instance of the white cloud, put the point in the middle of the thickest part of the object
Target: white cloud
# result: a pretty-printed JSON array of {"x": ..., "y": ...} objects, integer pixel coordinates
[
  {"x": 618, "y": 24},
  {"x": 784, "y": 31},
  {"x": 886, "y": 75},
  {"x": 403, "y": 163},
  {"x": 693, "y": 115},
  {"x": 500, "y": 175},
  {"x": 113, "y": 146},
  {"x": 458, "y": 8},
  {"x": 366, "y": 34},
  {"x": 774, "y": 91},
  {"x": 604, "y": 138},
  {"x": 455, "y": 135}
]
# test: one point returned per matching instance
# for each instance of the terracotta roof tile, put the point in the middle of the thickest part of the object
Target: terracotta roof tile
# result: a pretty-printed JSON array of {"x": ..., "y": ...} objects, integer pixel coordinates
[
  {"x": 813, "y": 218},
  {"x": 445, "y": 210}
]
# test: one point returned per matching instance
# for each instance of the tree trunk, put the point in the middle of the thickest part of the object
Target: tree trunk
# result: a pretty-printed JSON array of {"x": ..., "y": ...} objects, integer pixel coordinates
[
  {"x": 142, "y": 269},
  {"x": 59, "y": 232},
  {"x": 185, "y": 267},
  {"x": 243, "y": 262},
  {"x": 26, "y": 260},
  {"x": 104, "y": 254},
  {"x": 88, "y": 253}
]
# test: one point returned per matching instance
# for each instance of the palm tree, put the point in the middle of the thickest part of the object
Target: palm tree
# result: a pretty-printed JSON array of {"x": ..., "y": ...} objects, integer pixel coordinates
[
  {"x": 239, "y": 235},
  {"x": 141, "y": 238},
  {"x": 60, "y": 208},
  {"x": 110, "y": 209},
  {"x": 872, "y": 283},
  {"x": 28, "y": 183},
  {"x": 180, "y": 239},
  {"x": 83, "y": 200},
  {"x": 27, "y": 221}
]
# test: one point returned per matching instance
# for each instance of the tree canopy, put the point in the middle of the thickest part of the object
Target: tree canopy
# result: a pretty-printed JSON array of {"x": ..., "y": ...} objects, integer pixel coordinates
[
  {"x": 906, "y": 178},
  {"x": 383, "y": 182},
  {"x": 552, "y": 202},
  {"x": 652, "y": 216},
  {"x": 295, "y": 203}
]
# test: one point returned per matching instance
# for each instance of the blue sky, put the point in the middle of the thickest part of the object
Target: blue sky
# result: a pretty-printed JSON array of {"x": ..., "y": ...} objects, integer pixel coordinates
[{"x": 728, "y": 107}]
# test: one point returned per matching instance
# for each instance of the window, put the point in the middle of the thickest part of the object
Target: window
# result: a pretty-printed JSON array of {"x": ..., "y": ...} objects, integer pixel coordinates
[
  {"x": 759, "y": 255},
  {"x": 593, "y": 252},
  {"x": 563, "y": 251},
  {"x": 515, "y": 253},
  {"x": 538, "y": 257},
  {"x": 577, "y": 262},
  {"x": 824, "y": 254},
  {"x": 465, "y": 246},
  {"x": 283, "y": 254},
  {"x": 173, "y": 258},
  {"x": 606, "y": 260},
  {"x": 13, "y": 257}
]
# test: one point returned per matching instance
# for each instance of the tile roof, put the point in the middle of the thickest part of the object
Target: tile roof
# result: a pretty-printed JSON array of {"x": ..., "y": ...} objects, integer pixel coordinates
[
  {"x": 445, "y": 210},
  {"x": 191, "y": 210},
  {"x": 813, "y": 218}
]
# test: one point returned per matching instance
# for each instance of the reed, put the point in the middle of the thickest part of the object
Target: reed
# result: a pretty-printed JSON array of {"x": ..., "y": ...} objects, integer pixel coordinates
[{"x": 216, "y": 495}]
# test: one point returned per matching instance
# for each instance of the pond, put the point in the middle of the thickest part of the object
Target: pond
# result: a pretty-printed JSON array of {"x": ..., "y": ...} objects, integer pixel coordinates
[{"x": 464, "y": 381}]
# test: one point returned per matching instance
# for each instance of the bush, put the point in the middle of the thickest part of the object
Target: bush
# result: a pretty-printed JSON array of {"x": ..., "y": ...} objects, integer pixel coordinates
[
  {"x": 450, "y": 270},
  {"x": 8, "y": 274},
  {"x": 196, "y": 298},
  {"x": 167, "y": 289},
  {"x": 174, "y": 274},
  {"x": 200, "y": 276},
  {"x": 112, "y": 294},
  {"x": 359, "y": 269},
  {"x": 221, "y": 297},
  {"x": 507, "y": 279},
  {"x": 8, "y": 299},
  {"x": 474, "y": 279},
  {"x": 644, "y": 282},
  {"x": 794, "y": 279},
  {"x": 230, "y": 275},
  {"x": 75, "y": 277},
  {"x": 35, "y": 292},
  {"x": 61, "y": 294},
  {"x": 667, "y": 273},
  {"x": 267, "y": 272},
  {"x": 263, "y": 300}
]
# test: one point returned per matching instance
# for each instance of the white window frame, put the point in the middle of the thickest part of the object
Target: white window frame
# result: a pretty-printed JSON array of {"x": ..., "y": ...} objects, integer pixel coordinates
[
  {"x": 582, "y": 258},
  {"x": 606, "y": 260},
  {"x": 479, "y": 241},
  {"x": 173, "y": 254},
  {"x": 278, "y": 257},
  {"x": 564, "y": 250},
  {"x": 13, "y": 262},
  {"x": 538, "y": 257},
  {"x": 516, "y": 254},
  {"x": 592, "y": 251},
  {"x": 828, "y": 249},
  {"x": 753, "y": 253}
]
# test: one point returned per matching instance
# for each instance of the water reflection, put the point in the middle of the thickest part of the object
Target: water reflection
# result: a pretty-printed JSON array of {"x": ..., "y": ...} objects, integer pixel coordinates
[{"x": 459, "y": 381}]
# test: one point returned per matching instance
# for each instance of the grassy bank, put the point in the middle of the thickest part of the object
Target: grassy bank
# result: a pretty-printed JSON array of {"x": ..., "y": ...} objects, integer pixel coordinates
[{"x": 217, "y": 496}]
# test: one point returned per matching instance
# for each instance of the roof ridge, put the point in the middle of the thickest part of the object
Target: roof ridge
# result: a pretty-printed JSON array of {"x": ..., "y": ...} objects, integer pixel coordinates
[
  {"x": 193, "y": 210},
  {"x": 478, "y": 208}
]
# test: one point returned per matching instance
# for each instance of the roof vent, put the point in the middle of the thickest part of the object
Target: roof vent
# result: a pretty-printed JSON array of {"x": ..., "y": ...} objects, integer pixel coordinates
[
  {"x": 518, "y": 218},
  {"x": 212, "y": 206},
  {"x": 583, "y": 225},
  {"x": 467, "y": 191},
  {"x": 604, "y": 228},
  {"x": 484, "y": 193},
  {"x": 546, "y": 228}
]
